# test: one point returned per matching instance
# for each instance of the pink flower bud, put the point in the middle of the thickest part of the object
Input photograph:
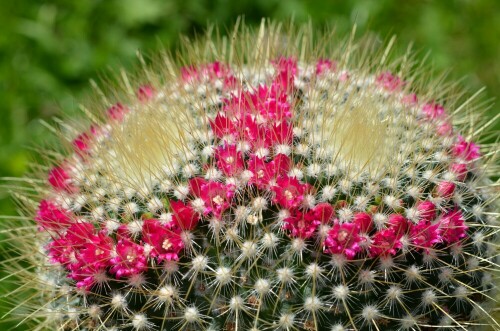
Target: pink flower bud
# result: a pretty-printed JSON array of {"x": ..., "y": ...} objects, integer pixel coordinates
[
  {"x": 445, "y": 189},
  {"x": 363, "y": 221},
  {"x": 433, "y": 110},
  {"x": 324, "y": 212},
  {"x": 445, "y": 129},
  {"x": 410, "y": 99},
  {"x": 145, "y": 93},
  {"x": 460, "y": 170},
  {"x": 117, "y": 112},
  {"x": 426, "y": 210},
  {"x": 399, "y": 224},
  {"x": 325, "y": 65}
]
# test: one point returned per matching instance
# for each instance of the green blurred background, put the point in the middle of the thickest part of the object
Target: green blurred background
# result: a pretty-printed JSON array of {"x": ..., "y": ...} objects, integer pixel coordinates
[{"x": 50, "y": 49}]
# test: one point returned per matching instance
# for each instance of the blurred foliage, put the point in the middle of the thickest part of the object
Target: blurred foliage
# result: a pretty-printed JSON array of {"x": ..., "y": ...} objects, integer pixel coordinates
[{"x": 50, "y": 49}]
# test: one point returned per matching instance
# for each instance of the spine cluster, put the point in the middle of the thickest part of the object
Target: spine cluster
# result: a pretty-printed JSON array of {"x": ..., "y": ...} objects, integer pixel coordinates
[{"x": 278, "y": 195}]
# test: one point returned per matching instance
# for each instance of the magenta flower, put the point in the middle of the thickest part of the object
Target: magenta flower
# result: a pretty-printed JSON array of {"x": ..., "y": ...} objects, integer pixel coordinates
[
  {"x": 445, "y": 189},
  {"x": 129, "y": 259},
  {"x": 445, "y": 129},
  {"x": 65, "y": 249},
  {"x": 96, "y": 252},
  {"x": 301, "y": 225},
  {"x": 325, "y": 65},
  {"x": 324, "y": 212},
  {"x": 468, "y": 151},
  {"x": 399, "y": 224},
  {"x": 60, "y": 179},
  {"x": 289, "y": 192},
  {"x": 433, "y": 110},
  {"x": 460, "y": 170},
  {"x": 184, "y": 215},
  {"x": 145, "y": 93},
  {"x": 452, "y": 227},
  {"x": 217, "y": 197},
  {"x": 166, "y": 243},
  {"x": 410, "y": 99},
  {"x": 50, "y": 216},
  {"x": 222, "y": 126},
  {"x": 389, "y": 81},
  {"x": 287, "y": 69},
  {"x": 117, "y": 112},
  {"x": 363, "y": 221},
  {"x": 385, "y": 242},
  {"x": 229, "y": 159},
  {"x": 424, "y": 235},
  {"x": 343, "y": 239},
  {"x": 426, "y": 210},
  {"x": 265, "y": 173}
]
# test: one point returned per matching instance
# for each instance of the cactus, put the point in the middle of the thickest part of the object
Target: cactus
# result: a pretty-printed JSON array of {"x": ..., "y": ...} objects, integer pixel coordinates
[{"x": 266, "y": 183}]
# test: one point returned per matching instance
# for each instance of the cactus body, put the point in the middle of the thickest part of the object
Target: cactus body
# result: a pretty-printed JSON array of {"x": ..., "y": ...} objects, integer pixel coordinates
[{"x": 265, "y": 187}]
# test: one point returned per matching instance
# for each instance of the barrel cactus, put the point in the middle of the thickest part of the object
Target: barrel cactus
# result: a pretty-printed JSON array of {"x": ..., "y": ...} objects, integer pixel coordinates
[{"x": 265, "y": 181}]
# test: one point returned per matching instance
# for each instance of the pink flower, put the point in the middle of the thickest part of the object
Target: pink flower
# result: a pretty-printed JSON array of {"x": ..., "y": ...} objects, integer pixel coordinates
[
  {"x": 80, "y": 233},
  {"x": 211, "y": 71},
  {"x": 229, "y": 160},
  {"x": 82, "y": 142},
  {"x": 184, "y": 215},
  {"x": 324, "y": 65},
  {"x": 445, "y": 189},
  {"x": 250, "y": 131},
  {"x": 222, "y": 126},
  {"x": 385, "y": 242},
  {"x": 268, "y": 104},
  {"x": 240, "y": 105},
  {"x": 343, "y": 239},
  {"x": 166, "y": 243},
  {"x": 452, "y": 226},
  {"x": 85, "y": 277},
  {"x": 281, "y": 133},
  {"x": 129, "y": 259},
  {"x": 286, "y": 68},
  {"x": 117, "y": 112},
  {"x": 389, "y": 81},
  {"x": 64, "y": 250},
  {"x": 445, "y": 129},
  {"x": 425, "y": 235},
  {"x": 145, "y": 93},
  {"x": 96, "y": 252},
  {"x": 466, "y": 150},
  {"x": 426, "y": 210},
  {"x": 433, "y": 110},
  {"x": 289, "y": 192},
  {"x": 300, "y": 224},
  {"x": 410, "y": 99},
  {"x": 460, "y": 170},
  {"x": 195, "y": 185},
  {"x": 271, "y": 102},
  {"x": 281, "y": 164},
  {"x": 262, "y": 171},
  {"x": 50, "y": 216},
  {"x": 91, "y": 260},
  {"x": 60, "y": 250},
  {"x": 324, "y": 212},
  {"x": 399, "y": 224},
  {"x": 363, "y": 221},
  {"x": 217, "y": 197},
  {"x": 60, "y": 180},
  {"x": 265, "y": 172}
]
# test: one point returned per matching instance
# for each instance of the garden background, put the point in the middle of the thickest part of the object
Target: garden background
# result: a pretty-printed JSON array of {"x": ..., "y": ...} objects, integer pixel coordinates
[{"x": 49, "y": 50}]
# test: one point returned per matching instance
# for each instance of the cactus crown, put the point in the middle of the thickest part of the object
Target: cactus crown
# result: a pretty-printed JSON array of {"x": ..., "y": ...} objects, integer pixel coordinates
[{"x": 269, "y": 182}]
